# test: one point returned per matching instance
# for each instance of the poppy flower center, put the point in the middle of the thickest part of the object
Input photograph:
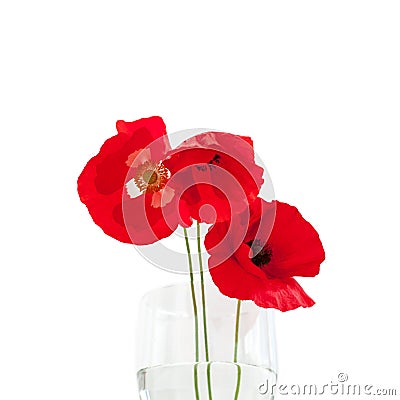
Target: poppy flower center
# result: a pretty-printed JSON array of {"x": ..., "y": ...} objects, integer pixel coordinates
[
  {"x": 151, "y": 177},
  {"x": 262, "y": 254}
]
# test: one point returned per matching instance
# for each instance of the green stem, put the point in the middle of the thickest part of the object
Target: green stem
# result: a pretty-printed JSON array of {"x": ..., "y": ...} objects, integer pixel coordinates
[
  {"x": 239, "y": 303},
  {"x": 239, "y": 369},
  {"x": 196, "y": 381},
  {"x": 209, "y": 380},
  {"x": 203, "y": 301},
  {"x": 203, "y": 294},
  {"x": 195, "y": 314}
]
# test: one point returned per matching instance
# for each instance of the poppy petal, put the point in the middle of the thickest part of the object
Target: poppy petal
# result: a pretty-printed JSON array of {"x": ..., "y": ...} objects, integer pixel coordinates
[
  {"x": 296, "y": 247},
  {"x": 105, "y": 211},
  {"x": 148, "y": 133},
  {"x": 233, "y": 280},
  {"x": 147, "y": 224},
  {"x": 290, "y": 247},
  {"x": 282, "y": 294},
  {"x": 224, "y": 239},
  {"x": 218, "y": 170},
  {"x": 239, "y": 278},
  {"x": 101, "y": 184}
]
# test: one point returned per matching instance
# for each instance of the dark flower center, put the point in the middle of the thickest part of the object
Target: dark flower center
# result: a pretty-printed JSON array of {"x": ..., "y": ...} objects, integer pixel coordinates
[
  {"x": 215, "y": 160},
  {"x": 262, "y": 254},
  {"x": 151, "y": 177}
]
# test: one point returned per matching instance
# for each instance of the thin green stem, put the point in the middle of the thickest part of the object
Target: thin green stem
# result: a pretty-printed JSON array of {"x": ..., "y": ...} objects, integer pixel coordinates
[
  {"x": 196, "y": 381},
  {"x": 195, "y": 314},
  {"x": 239, "y": 303},
  {"x": 235, "y": 353},
  {"x": 209, "y": 380},
  {"x": 203, "y": 301},
  {"x": 239, "y": 375},
  {"x": 203, "y": 294}
]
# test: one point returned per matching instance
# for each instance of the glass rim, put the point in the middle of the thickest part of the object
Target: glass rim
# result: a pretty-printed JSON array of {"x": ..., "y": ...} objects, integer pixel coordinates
[{"x": 146, "y": 298}]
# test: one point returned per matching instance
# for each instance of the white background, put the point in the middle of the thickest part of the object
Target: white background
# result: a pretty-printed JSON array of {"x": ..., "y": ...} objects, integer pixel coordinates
[{"x": 315, "y": 83}]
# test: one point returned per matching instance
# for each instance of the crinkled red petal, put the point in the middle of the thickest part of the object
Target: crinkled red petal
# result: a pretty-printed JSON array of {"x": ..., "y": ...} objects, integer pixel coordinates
[{"x": 102, "y": 181}]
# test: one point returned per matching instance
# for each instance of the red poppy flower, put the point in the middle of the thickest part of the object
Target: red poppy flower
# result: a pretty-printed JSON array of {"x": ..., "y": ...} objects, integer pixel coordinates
[
  {"x": 138, "y": 190},
  {"x": 130, "y": 160},
  {"x": 277, "y": 244},
  {"x": 216, "y": 174}
]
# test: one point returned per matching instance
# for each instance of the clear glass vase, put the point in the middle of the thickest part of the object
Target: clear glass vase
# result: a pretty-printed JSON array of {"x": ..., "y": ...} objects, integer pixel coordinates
[{"x": 230, "y": 356}]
